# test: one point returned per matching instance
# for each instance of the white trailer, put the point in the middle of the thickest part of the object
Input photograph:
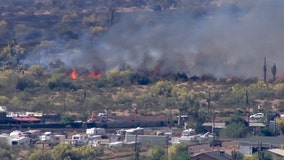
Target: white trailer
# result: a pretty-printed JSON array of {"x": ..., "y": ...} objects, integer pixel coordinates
[
  {"x": 135, "y": 131},
  {"x": 51, "y": 139},
  {"x": 94, "y": 140},
  {"x": 16, "y": 133},
  {"x": 20, "y": 141},
  {"x": 33, "y": 135},
  {"x": 96, "y": 131},
  {"x": 45, "y": 137},
  {"x": 79, "y": 139},
  {"x": 58, "y": 139}
]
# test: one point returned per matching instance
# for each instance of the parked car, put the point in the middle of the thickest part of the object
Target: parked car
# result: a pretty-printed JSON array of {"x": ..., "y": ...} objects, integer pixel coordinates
[
  {"x": 256, "y": 116},
  {"x": 215, "y": 142},
  {"x": 102, "y": 114}
]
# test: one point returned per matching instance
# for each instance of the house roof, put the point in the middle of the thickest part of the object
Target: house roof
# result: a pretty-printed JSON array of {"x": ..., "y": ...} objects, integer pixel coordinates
[
  {"x": 217, "y": 155},
  {"x": 264, "y": 140},
  {"x": 223, "y": 125},
  {"x": 277, "y": 151},
  {"x": 216, "y": 125},
  {"x": 26, "y": 119}
]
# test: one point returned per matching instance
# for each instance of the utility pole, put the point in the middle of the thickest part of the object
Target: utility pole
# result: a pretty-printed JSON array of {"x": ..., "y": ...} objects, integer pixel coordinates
[
  {"x": 247, "y": 104},
  {"x": 212, "y": 113},
  {"x": 208, "y": 102},
  {"x": 167, "y": 143},
  {"x": 213, "y": 122},
  {"x": 260, "y": 151},
  {"x": 170, "y": 119},
  {"x": 136, "y": 147},
  {"x": 43, "y": 154},
  {"x": 83, "y": 99},
  {"x": 64, "y": 101}
]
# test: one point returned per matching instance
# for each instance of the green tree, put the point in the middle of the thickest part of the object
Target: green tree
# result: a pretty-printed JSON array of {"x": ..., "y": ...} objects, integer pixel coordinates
[
  {"x": 118, "y": 78},
  {"x": 280, "y": 124},
  {"x": 36, "y": 71},
  {"x": 68, "y": 152},
  {"x": 4, "y": 100},
  {"x": 157, "y": 153},
  {"x": 25, "y": 82},
  {"x": 236, "y": 127},
  {"x": 124, "y": 100},
  {"x": 42, "y": 104},
  {"x": 262, "y": 155},
  {"x": 237, "y": 155},
  {"x": 87, "y": 152},
  {"x": 179, "y": 152},
  {"x": 66, "y": 118},
  {"x": 162, "y": 88},
  {"x": 59, "y": 81},
  {"x": 40, "y": 154},
  {"x": 61, "y": 152},
  {"x": 5, "y": 155},
  {"x": 234, "y": 130}
]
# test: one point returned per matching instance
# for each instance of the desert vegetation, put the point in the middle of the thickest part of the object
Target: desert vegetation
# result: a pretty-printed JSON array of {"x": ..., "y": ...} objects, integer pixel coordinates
[
  {"x": 195, "y": 57},
  {"x": 37, "y": 37}
]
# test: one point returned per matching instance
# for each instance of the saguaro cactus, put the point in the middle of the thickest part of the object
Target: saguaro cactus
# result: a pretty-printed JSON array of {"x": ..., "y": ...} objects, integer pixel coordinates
[{"x": 273, "y": 70}]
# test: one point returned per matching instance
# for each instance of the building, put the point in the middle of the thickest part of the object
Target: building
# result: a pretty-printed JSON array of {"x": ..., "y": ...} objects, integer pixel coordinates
[
  {"x": 248, "y": 146},
  {"x": 96, "y": 131},
  {"x": 23, "y": 117},
  {"x": 219, "y": 126},
  {"x": 215, "y": 155},
  {"x": 19, "y": 120},
  {"x": 3, "y": 113},
  {"x": 276, "y": 153}
]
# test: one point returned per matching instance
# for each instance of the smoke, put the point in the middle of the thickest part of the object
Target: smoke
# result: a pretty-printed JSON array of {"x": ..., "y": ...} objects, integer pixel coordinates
[{"x": 231, "y": 40}]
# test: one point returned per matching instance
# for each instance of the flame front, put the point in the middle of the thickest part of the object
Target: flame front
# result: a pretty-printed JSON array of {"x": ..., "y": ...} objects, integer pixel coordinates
[
  {"x": 74, "y": 74},
  {"x": 95, "y": 74}
]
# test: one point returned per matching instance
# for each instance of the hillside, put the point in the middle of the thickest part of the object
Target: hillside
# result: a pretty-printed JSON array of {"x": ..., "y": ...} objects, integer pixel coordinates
[{"x": 80, "y": 57}]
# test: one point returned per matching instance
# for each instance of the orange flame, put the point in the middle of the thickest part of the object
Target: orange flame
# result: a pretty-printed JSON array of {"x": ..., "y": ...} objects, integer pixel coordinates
[
  {"x": 74, "y": 74},
  {"x": 95, "y": 74}
]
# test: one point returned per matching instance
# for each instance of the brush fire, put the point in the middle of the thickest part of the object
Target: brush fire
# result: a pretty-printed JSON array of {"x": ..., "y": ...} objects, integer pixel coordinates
[{"x": 74, "y": 74}]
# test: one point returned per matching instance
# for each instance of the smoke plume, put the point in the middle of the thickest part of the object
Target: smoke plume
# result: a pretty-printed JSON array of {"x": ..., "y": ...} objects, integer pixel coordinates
[{"x": 227, "y": 41}]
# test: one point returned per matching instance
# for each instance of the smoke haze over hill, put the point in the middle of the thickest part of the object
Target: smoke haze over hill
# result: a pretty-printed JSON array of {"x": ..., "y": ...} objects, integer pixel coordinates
[{"x": 225, "y": 42}]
